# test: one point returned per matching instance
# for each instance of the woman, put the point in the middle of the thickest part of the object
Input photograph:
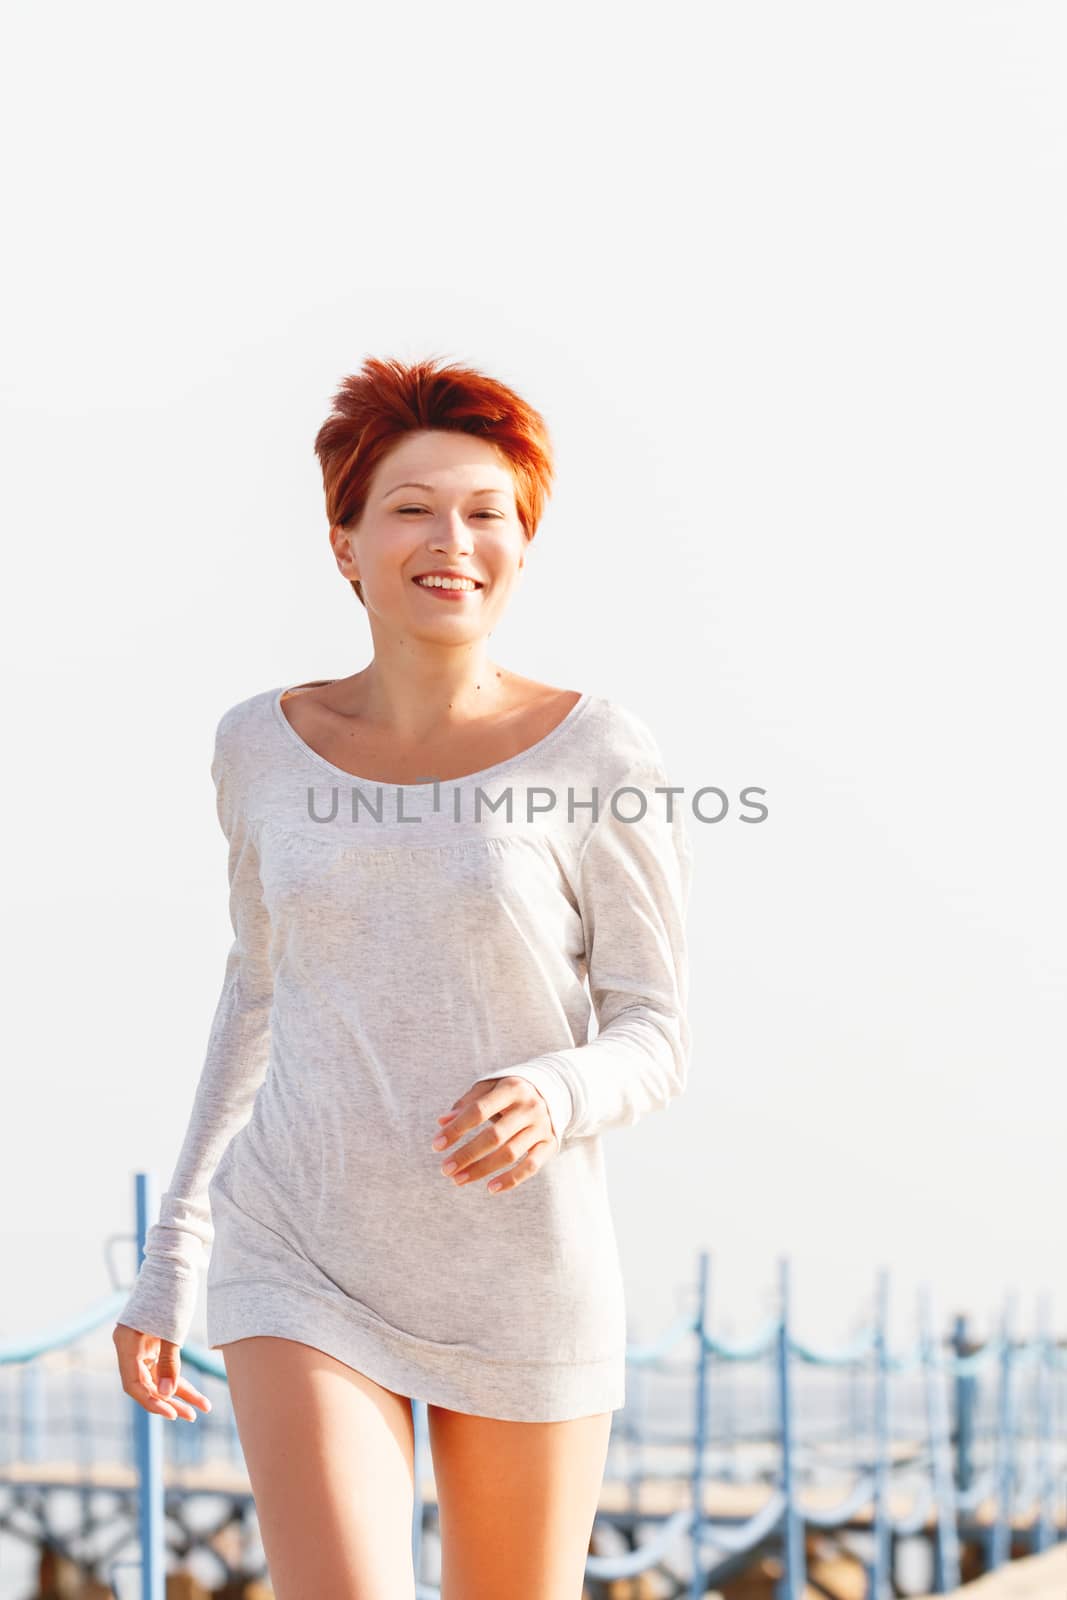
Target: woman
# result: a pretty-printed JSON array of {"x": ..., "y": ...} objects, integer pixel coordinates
[{"x": 394, "y": 1153}]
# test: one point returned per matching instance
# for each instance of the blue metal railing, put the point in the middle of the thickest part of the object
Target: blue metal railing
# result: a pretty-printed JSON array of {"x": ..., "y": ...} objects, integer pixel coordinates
[{"x": 954, "y": 1483}]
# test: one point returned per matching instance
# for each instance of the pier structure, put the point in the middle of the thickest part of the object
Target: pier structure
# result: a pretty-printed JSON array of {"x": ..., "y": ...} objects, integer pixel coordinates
[{"x": 806, "y": 1482}]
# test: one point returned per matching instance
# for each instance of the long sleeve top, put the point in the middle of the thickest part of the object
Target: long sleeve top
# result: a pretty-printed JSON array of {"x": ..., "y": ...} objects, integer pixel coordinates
[{"x": 392, "y": 945}]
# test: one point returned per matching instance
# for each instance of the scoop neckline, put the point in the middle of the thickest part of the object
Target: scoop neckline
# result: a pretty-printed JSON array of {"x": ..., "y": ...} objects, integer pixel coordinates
[{"x": 565, "y": 723}]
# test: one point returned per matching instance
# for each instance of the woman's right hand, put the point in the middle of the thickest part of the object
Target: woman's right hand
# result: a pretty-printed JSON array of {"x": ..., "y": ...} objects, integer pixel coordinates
[{"x": 146, "y": 1364}]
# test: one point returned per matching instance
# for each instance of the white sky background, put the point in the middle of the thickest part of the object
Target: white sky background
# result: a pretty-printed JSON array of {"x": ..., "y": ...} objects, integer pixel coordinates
[{"x": 786, "y": 282}]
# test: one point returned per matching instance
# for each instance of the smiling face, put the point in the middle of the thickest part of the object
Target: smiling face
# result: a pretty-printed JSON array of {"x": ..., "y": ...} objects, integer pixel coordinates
[{"x": 440, "y": 502}]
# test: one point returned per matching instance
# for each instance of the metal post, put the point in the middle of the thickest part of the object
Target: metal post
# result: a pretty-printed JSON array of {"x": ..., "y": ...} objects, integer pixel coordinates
[
  {"x": 794, "y": 1578},
  {"x": 420, "y": 1427},
  {"x": 880, "y": 1586},
  {"x": 966, "y": 1388},
  {"x": 697, "y": 1587},
  {"x": 148, "y": 1438},
  {"x": 1000, "y": 1542},
  {"x": 1044, "y": 1533},
  {"x": 939, "y": 1434}
]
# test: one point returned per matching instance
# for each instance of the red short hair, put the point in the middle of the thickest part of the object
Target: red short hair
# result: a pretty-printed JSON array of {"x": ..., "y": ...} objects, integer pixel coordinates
[{"x": 376, "y": 407}]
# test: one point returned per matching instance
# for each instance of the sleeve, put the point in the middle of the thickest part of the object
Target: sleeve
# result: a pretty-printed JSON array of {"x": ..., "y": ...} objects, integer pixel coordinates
[
  {"x": 163, "y": 1298},
  {"x": 633, "y": 884}
]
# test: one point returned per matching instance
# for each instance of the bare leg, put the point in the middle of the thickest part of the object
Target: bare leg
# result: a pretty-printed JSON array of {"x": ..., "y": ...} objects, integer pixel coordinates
[
  {"x": 330, "y": 1457},
  {"x": 517, "y": 1502}
]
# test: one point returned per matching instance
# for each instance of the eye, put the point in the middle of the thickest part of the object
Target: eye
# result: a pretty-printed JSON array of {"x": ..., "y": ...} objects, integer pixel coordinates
[{"x": 402, "y": 509}]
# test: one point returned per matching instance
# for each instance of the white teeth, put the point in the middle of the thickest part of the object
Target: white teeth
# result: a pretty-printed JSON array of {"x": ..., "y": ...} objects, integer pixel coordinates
[{"x": 446, "y": 583}]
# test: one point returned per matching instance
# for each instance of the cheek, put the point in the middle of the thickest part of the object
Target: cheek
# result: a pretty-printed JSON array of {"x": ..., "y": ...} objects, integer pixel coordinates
[
  {"x": 501, "y": 567},
  {"x": 388, "y": 564}
]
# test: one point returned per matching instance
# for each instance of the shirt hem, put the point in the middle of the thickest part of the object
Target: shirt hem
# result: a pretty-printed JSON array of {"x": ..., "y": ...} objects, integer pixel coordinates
[{"x": 519, "y": 1391}]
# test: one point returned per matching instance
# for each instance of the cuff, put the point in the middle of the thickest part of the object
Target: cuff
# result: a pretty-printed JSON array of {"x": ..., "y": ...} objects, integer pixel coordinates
[{"x": 162, "y": 1303}]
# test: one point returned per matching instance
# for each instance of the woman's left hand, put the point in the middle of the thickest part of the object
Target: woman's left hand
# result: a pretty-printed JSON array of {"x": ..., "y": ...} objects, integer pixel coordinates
[{"x": 519, "y": 1132}]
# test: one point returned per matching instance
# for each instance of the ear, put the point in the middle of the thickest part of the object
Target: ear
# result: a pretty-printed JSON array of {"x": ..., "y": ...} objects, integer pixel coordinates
[{"x": 341, "y": 544}]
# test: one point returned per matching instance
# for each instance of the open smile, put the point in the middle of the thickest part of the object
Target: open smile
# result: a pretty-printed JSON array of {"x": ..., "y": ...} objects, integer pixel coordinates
[{"x": 454, "y": 592}]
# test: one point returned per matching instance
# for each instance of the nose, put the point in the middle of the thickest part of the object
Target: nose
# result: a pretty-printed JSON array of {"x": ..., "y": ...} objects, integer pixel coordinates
[{"x": 452, "y": 533}]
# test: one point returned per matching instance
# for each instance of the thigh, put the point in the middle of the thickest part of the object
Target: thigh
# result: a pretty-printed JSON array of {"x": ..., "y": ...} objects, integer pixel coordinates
[
  {"x": 330, "y": 1458},
  {"x": 517, "y": 1502}
]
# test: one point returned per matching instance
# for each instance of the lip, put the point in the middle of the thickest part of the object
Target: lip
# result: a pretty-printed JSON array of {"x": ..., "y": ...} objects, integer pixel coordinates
[
  {"x": 448, "y": 572},
  {"x": 457, "y": 596}
]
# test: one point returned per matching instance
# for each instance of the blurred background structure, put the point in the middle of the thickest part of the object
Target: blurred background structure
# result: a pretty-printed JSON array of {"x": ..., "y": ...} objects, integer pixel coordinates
[{"x": 752, "y": 1466}]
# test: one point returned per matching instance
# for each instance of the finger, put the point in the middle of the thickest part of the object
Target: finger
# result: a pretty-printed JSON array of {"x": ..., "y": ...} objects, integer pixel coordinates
[
  {"x": 500, "y": 1160},
  {"x": 523, "y": 1170},
  {"x": 181, "y": 1407},
  {"x": 146, "y": 1396},
  {"x": 187, "y": 1392},
  {"x": 476, "y": 1090},
  {"x": 498, "y": 1146},
  {"x": 498, "y": 1127},
  {"x": 453, "y": 1110},
  {"x": 150, "y": 1380},
  {"x": 168, "y": 1370},
  {"x": 472, "y": 1114}
]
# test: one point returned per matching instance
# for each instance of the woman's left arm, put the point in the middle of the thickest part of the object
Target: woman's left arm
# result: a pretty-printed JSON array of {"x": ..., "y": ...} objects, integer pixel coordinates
[{"x": 633, "y": 885}]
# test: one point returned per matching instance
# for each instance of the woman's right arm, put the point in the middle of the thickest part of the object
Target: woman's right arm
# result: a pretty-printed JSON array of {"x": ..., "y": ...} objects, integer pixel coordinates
[{"x": 164, "y": 1296}]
